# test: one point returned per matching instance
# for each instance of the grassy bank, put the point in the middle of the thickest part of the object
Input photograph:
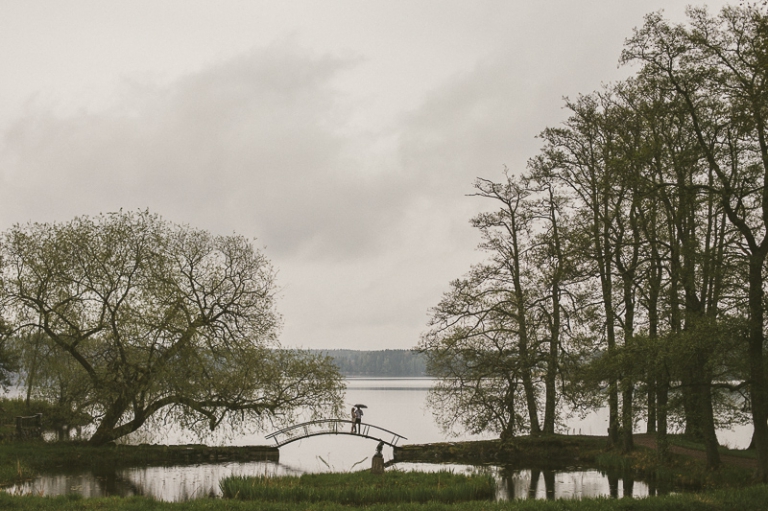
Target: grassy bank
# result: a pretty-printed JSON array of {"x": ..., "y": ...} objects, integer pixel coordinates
[
  {"x": 682, "y": 441},
  {"x": 551, "y": 451},
  {"x": 746, "y": 499},
  {"x": 363, "y": 488}
]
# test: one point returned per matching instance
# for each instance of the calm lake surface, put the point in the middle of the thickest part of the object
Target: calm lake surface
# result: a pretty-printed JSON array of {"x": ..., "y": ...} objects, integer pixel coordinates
[{"x": 395, "y": 404}]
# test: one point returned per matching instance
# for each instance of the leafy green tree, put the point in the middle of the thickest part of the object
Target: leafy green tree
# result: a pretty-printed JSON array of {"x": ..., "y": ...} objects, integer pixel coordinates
[
  {"x": 481, "y": 343},
  {"x": 9, "y": 360},
  {"x": 717, "y": 68},
  {"x": 156, "y": 319},
  {"x": 55, "y": 385},
  {"x": 496, "y": 339},
  {"x": 667, "y": 172},
  {"x": 582, "y": 153},
  {"x": 558, "y": 299}
]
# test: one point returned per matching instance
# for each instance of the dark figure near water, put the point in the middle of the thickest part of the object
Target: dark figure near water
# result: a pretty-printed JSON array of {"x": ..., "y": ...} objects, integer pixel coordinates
[
  {"x": 377, "y": 463},
  {"x": 354, "y": 420}
]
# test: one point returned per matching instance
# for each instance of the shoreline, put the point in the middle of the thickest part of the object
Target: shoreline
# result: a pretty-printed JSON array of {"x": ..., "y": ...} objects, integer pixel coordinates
[{"x": 543, "y": 452}]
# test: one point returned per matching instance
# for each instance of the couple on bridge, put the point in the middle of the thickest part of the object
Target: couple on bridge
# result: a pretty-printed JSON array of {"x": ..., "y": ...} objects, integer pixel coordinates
[{"x": 357, "y": 417}]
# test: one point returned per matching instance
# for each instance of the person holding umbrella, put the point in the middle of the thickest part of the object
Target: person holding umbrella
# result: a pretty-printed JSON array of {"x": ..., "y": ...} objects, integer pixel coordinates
[{"x": 357, "y": 411}]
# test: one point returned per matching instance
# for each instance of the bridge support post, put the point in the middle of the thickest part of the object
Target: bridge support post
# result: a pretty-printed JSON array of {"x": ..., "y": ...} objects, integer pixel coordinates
[{"x": 377, "y": 465}]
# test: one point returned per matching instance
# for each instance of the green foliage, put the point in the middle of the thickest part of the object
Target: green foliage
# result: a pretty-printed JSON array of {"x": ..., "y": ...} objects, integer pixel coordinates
[
  {"x": 128, "y": 318},
  {"x": 9, "y": 358},
  {"x": 362, "y": 488},
  {"x": 56, "y": 417},
  {"x": 656, "y": 189},
  {"x": 486, "y": 338}
]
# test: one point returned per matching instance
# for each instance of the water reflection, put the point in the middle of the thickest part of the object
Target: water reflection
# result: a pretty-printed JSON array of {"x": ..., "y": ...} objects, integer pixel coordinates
[
  {"x": 570, "y": 484},
  {"x": 181, "y": 483},
  {"x": 171, "y": 483},
  {"x": 396, "y": 404}
]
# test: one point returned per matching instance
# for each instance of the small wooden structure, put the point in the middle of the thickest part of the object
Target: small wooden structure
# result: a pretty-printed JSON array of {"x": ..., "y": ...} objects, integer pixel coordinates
[{"x": 29, "y": 427}]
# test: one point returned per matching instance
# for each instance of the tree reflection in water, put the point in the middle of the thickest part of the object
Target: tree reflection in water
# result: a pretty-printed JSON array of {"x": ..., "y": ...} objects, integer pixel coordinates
[{"x": 566, "y": 484}]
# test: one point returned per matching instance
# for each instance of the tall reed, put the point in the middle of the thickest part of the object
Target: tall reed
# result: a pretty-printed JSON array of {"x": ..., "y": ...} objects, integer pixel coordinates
[{"x": 362, "y": 488}]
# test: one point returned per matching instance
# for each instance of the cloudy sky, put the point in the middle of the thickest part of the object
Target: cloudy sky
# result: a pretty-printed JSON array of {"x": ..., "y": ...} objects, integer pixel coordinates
[{"x": 343, "y": 136}]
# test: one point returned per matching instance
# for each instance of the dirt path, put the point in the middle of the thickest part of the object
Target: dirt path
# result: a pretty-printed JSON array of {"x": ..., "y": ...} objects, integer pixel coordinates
[{"x": 649, "y": 441}]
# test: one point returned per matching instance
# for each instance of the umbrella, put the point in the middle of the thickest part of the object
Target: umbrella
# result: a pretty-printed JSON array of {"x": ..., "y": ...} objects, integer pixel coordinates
[{"x": 361, "y": 406}]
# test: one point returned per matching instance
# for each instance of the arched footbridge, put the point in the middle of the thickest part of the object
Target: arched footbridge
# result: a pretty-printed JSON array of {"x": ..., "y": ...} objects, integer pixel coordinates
[{"x": 333, "y": 427}]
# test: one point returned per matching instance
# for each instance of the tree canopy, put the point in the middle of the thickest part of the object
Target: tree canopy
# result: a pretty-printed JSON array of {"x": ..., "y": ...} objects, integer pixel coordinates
[
  {"x": 130, "y": 317},
  {"x": 627, "y": 261}
]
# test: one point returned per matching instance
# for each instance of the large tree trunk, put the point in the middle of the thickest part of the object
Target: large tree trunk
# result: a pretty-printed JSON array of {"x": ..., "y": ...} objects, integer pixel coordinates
[
  {"x": 550, "y": 398},
  {"x": 554, "y": 336},
  {"x": 662, "y": 395},
  {"x": 522, "y": 324},
  {"x": 613, "y": 388},
  {"x": 509, "y": 402},
  {"x": 708, "y": 423},
  {"x": 627, "y": 439},
  {"x": 108, "y": 429},
  {"x": 32, "y": 372},
  {"x": 650, "y": 427},
  {"x": 532, "y": 407},
  {"x": 525, "y": 356},
  {"x": 654, "y": 292},
  {"x": 757, "y": 365},
  {"x": 692, "y": 405},
  {"x": 628, "y": 383}
]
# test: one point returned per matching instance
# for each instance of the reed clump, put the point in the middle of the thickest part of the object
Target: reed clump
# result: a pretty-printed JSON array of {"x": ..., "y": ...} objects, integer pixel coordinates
[{"x": 363, "y": 488}]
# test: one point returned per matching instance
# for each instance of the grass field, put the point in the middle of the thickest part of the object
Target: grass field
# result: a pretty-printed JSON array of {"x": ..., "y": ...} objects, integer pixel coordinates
[
  {"x": 754, "y": 498},
  {"x": 363, "y": 488}
]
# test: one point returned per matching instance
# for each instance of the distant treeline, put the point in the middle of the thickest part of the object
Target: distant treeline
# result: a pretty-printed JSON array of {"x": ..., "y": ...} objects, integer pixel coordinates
[{"x": 378, "y": 363}]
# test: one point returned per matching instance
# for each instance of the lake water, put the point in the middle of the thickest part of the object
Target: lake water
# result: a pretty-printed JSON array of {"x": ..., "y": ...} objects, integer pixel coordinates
[{"x": 395, "y": 404}]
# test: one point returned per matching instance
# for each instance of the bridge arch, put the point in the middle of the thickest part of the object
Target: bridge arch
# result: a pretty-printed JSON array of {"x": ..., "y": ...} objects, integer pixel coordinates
[{"x": 333, "y": 427}]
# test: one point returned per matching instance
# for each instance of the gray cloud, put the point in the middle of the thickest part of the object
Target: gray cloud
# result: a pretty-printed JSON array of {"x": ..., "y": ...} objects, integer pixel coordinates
[
  {"x": 252, "y": 144},
  {"x": 366, "y": 229},
  {"x": 352, "y": 171}
]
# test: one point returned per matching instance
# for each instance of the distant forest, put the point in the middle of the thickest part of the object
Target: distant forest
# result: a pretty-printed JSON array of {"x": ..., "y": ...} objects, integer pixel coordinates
[{"x": 378, "y": 363}]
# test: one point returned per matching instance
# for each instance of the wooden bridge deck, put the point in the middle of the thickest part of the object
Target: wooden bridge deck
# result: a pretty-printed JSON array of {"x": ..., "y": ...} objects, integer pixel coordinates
[{"x": 333, "y": 427}]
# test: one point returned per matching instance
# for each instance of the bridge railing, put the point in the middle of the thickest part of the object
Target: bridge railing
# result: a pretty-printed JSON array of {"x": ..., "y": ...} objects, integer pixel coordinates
[{"x": 333, "y": 427}]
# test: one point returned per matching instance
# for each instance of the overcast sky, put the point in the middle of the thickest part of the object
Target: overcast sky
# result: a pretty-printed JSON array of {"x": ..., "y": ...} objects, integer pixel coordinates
[{"x": 343, "y": 136}]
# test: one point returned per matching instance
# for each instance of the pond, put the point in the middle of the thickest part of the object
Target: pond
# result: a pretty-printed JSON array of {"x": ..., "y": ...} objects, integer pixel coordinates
[
  {"x": 395, "y": 404},
  {"x": 180, "y": 483}
]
